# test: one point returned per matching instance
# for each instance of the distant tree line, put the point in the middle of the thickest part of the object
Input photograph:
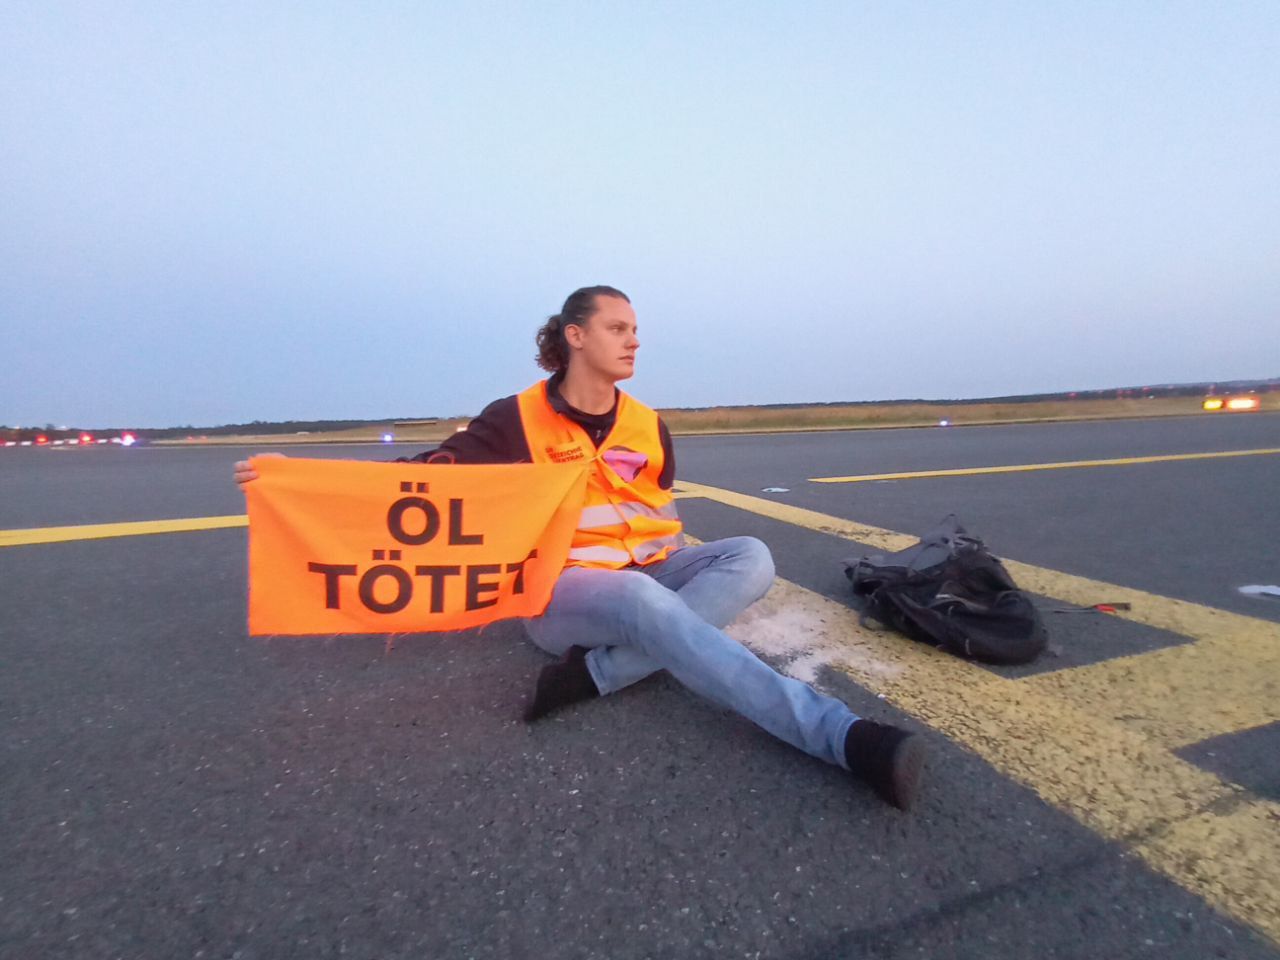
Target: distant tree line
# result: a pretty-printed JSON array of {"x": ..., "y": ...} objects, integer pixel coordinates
[
  {"x": 258, "y": 427},
  {"x": 1220, "y": 387}
]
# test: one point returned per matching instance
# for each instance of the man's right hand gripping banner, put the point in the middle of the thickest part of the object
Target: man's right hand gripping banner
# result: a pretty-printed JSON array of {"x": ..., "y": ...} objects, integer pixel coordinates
[{"x": 339, "y": 546}]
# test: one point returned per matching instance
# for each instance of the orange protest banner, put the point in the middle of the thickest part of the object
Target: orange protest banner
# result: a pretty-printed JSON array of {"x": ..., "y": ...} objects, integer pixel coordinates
[{"x": 341, "y": 546}]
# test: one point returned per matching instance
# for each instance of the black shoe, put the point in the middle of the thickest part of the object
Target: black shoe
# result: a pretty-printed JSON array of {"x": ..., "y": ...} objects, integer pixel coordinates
[
  {"x": 888, "y": 758},
  {"x": 560, "y": 684}
]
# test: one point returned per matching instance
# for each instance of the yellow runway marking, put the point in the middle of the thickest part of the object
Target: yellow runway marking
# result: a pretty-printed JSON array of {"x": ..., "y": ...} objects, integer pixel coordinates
[
  {"x": 1182, "y": 695},
  {"x": 102, "y": 531},
  {"x": 1065, "y": 465},
  {"x": 1095, "y": 741}
]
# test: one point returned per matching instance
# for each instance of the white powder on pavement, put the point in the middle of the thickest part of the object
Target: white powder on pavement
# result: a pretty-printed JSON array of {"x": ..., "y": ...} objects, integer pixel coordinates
[{"x": 807, "y": 632}]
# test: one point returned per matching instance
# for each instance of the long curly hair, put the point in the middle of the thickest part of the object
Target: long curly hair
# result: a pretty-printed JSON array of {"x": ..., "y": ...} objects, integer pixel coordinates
[{"x": 553, "y": 352}]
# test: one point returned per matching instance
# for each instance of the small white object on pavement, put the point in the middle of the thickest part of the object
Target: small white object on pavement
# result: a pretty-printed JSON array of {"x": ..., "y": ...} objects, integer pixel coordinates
[
  {"x": 775, "y": 490},
  {"x": 1259, "y": 590}
]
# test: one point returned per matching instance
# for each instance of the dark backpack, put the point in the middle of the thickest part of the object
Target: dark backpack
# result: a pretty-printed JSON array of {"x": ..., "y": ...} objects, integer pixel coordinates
[{"x": 948, "y": 591}]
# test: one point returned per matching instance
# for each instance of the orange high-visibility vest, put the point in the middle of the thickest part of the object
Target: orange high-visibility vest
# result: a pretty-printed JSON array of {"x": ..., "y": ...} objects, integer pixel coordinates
[{"x": 627, "y": 518}]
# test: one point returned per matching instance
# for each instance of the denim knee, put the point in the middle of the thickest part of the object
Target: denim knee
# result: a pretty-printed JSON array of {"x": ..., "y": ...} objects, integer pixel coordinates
[
  {"x": 640, "y": 603},
  {"x": 757, "y": 564}
]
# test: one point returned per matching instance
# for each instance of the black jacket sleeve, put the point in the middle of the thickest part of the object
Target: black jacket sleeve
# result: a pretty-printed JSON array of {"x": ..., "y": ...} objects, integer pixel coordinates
[
  {"x": 668, "y": 476},
  {"x": 496, "y": 436}
]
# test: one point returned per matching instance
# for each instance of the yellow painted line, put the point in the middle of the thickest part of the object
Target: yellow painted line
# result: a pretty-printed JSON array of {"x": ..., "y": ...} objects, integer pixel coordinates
[
  {"x": 877, "y": 537},
  {"x": 102, "y": 531},
  {"x": 1182, "y": 695},
  {"x": 1229, "y": 857},
  {"x": 1065, "y": 465},
  {"x": 1164, "y": 613},
  {"x": 1231, "y": 673},
  {"x": 1113, "y": 779},
  {"x": 1095, "y": 741},
  {"x": 1070, "y": 757}
]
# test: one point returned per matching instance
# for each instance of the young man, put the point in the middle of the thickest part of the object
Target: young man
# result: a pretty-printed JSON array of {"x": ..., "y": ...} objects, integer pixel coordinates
[{"x": 632, "y": 599}]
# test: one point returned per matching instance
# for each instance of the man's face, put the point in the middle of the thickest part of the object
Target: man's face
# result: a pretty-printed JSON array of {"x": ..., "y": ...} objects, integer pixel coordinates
[{"x": 607, "y": 342}]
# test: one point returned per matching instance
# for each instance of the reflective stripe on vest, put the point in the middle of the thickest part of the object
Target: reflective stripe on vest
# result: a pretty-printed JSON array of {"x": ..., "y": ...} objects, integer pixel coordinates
[
  {"x": 600, "y": 554},
  {"x": 611, "y": 514}
]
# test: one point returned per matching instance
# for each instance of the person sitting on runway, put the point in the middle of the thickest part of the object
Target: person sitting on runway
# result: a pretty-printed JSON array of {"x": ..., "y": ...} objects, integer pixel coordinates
[{"x": 632, "y": 598}]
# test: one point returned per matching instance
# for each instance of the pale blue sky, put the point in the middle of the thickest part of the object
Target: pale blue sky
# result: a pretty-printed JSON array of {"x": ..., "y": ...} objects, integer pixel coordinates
[{"x": 225, "y": 212}]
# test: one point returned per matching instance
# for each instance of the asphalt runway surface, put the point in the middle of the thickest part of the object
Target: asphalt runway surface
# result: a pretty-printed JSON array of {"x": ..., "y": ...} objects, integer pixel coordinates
[{"x": 172, "y": 787}]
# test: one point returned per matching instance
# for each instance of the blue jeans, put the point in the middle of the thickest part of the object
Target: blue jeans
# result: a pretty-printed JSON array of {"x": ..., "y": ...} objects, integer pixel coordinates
[{"x": 669, "y": 615}]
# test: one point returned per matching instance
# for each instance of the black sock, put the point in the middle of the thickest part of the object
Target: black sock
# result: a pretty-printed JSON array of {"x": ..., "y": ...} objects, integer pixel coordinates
[
  {"x": 886, "y": 757},
  {"x": 560, "y": 684}
]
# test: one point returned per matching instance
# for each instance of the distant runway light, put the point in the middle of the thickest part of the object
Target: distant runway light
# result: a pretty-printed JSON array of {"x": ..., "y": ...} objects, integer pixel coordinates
[
  {"x": 387, "y": 438},
  {"x": 944, "y": 423}
]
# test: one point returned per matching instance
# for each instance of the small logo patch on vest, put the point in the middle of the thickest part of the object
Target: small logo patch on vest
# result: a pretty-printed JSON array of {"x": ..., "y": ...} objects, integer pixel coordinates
[{"x": 566, "y": 454}]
